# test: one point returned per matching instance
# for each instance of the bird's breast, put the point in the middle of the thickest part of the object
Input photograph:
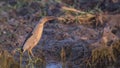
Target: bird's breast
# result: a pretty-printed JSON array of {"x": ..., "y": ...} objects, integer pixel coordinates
[{"x": 38, "y": 31}]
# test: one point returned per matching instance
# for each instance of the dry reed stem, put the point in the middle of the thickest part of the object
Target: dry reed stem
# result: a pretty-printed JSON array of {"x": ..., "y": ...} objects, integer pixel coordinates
[
  {"x": 71, "y": 9},
  {"x": 63, "y": 57}
]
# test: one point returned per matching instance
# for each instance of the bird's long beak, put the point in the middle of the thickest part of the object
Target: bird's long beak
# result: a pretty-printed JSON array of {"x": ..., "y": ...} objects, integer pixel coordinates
[{"x": 50, "y": 18}]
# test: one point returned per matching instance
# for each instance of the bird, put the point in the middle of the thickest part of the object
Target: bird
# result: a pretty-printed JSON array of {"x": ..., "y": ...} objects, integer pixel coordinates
[{"x": 34, "y": 36}]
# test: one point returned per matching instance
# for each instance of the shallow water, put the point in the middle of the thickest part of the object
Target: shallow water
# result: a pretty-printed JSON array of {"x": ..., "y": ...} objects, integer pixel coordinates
[{"x": 53, "y": 65}]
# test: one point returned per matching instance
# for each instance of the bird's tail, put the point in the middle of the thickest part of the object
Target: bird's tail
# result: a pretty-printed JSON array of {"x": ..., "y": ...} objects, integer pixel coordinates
[{"x": 21, "y": 50}]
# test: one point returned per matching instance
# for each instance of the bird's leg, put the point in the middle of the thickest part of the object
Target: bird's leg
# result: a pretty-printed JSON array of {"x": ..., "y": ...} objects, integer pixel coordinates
[
  {"x": 30, "y": 60},
  {"x": 31, "y": 53}
]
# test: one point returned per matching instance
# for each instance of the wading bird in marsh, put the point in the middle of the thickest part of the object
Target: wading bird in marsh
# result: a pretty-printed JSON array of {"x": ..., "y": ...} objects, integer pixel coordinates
[{"x": 33, "y": 38}]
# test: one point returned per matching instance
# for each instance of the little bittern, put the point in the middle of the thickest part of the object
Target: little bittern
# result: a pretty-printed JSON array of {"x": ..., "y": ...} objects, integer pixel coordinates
[{"x": 33, "y": 38}]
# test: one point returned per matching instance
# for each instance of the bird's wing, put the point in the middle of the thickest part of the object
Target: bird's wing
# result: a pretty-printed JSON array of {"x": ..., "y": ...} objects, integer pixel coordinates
[{"x": 27, "y": 37}]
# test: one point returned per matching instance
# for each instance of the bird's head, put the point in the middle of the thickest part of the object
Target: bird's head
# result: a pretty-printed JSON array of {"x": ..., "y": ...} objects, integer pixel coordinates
[{"x": 47, "y": 18}]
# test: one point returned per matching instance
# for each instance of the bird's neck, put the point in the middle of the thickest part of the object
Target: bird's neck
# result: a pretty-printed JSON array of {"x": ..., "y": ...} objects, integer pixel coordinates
[
  {"x": 42, "y": 22},
  {"x": 38, "y": 28}
]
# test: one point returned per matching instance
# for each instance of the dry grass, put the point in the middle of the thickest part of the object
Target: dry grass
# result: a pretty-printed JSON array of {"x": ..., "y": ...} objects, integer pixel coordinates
[
  {"x": 116, "y": 46},
  {"x": 82, "y": 19},
  {"x": 105, "y": 56},
  {"x": 63, "y": 57},
  {"x": 7, "y": 61},
  {"x": 116, "y": 51},
  {"x": 73, "y": 15}
]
